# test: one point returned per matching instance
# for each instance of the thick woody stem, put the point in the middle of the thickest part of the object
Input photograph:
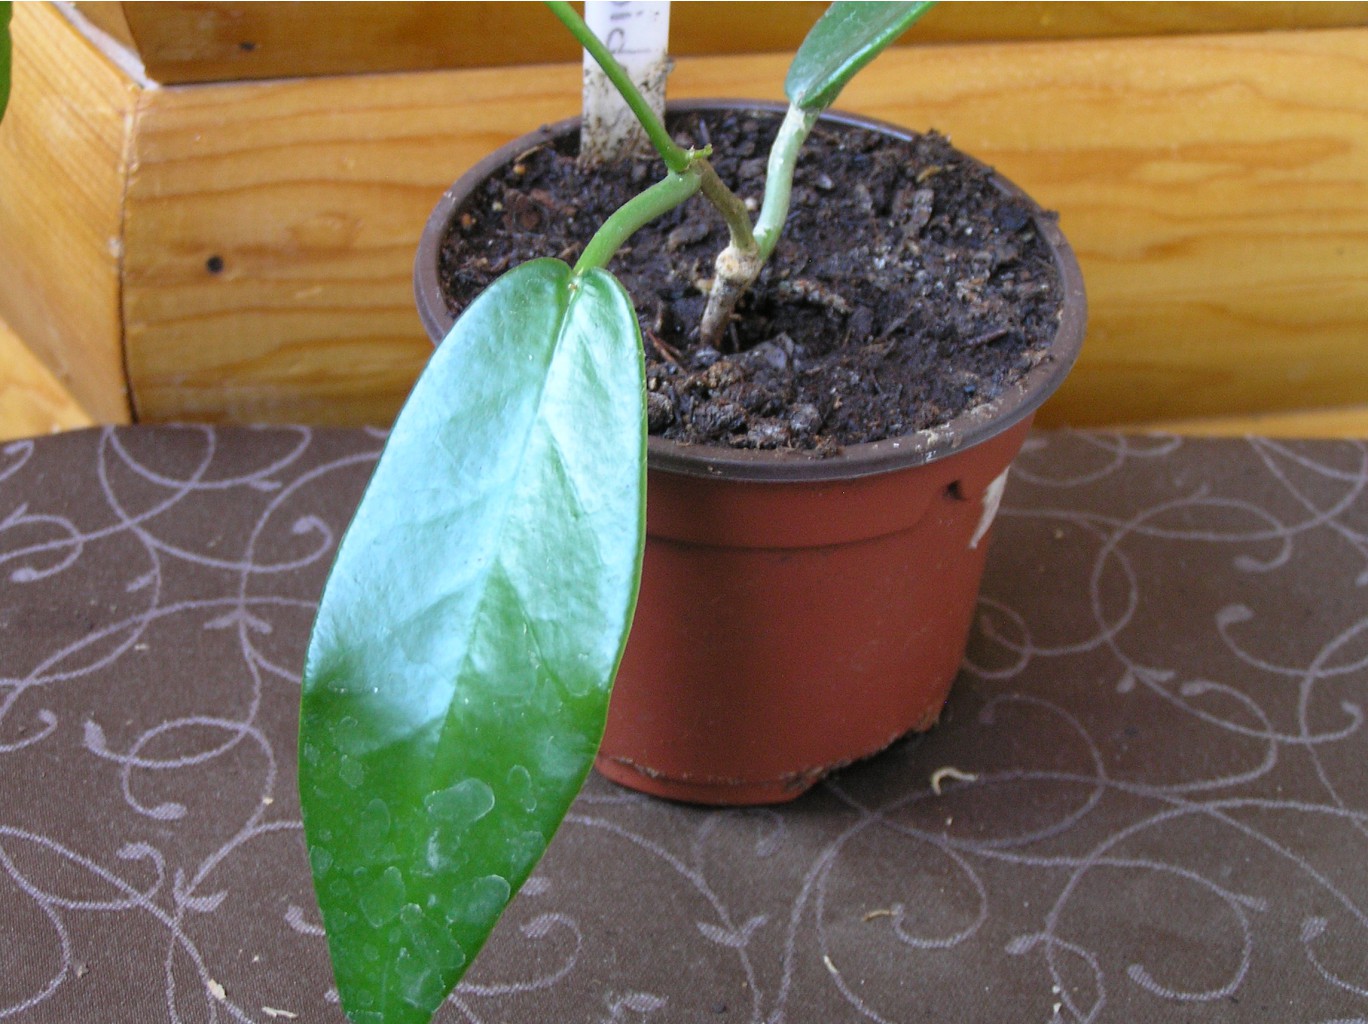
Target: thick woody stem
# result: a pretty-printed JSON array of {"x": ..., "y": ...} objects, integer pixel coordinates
[
  {"x": 733, "y": 273},
  {"x": 736, "y": 266},
  {"x": 739, "y": 264}
]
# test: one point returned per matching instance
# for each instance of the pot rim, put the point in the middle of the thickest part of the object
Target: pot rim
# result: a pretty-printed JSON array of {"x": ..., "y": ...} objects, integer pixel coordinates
[{"x": 1017, "y": 402}]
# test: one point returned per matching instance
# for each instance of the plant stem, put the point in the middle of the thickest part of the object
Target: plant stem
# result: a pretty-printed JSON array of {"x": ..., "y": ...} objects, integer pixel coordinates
[
  {"x": 739, "y": 264},
  {"x": 729, "y": 205},
  {"x": 779, "y": 177},
  {"x": 660, "y": 198},
  {"x": 676, "y": 159}
]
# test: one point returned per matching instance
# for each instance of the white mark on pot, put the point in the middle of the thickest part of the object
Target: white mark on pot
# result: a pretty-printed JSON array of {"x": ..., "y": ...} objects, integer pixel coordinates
[{"x": 992, "y": 499}]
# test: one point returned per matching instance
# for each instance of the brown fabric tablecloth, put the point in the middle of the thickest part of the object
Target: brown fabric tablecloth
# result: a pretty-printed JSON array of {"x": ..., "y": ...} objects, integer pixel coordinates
[{"x": 1161, "y": 812}]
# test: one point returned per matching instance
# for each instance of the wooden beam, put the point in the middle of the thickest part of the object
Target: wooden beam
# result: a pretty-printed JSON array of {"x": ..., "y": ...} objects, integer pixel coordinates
[
  {"x": 1350, "y": 422},
  {"x": 63, "y": 156},
  {"x": 215, "y": 42},
  {"x": 1213, "y": 188},
  {"x": 111, "y": 19},
  {"x": 311, "y": 193},
  {"x": 1211, "y": 184}
]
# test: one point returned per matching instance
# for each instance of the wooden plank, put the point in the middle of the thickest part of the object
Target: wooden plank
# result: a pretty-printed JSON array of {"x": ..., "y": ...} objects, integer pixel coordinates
[
  {"x": 208, "y": 42},
  {"x": 1212, "y": 186},
  {"x": 109, "y": 18},
  {"x": 1347, "y": 422},
  {"x": 309, "y": 315},
  {"x": 63, "y": 151},
  {"x": 32, "y": 400}
]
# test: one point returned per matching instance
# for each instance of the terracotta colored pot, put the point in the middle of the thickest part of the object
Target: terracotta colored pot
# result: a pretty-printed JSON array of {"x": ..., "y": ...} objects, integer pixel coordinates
[{"x": 797, "y": 614}]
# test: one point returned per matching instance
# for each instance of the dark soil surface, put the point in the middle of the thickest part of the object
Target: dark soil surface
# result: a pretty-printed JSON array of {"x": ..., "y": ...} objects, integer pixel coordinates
[{"x": 906, "y": 288}]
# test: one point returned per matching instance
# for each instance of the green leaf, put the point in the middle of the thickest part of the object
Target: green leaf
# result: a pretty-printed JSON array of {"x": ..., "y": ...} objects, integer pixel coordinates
[
  {"x": 457, "y": 678},
  {"x": 846, "y": 38},
  {"x": 6, "y": 55}
]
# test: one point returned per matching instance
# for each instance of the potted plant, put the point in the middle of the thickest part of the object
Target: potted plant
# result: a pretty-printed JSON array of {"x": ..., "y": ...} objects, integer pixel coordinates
[{"x": 457, "y": 680}]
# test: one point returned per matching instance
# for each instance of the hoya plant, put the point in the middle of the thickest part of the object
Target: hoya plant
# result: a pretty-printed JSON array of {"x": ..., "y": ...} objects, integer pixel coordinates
[{"x": 457, "y": 679}]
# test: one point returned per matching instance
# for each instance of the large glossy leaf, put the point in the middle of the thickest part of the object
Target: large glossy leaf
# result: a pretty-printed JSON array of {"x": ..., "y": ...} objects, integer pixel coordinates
[
  {"x": 846, "y": 38},
  {"x": 457, "y": 678}
]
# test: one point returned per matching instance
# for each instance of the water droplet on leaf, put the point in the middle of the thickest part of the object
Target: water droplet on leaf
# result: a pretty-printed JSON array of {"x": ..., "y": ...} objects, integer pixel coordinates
[
  {"x": 382, "y": 900},
  {"x": 373, "y": 827},
  {"x": 479, "y": 900},
  {"x": 320, "y": 860},
  {"x": 430, "y": 941},
  {"x": 418, "y": 984},
  {"x": 520, "y": 787},
  {"x": 350, "y": 771},
  {"x": 461, "y": 805}
]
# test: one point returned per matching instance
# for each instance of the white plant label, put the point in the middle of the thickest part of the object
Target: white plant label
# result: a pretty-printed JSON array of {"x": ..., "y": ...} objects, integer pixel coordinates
[
  {"x": 638, "y": 35},
  {"x": 992, "y": 500}
]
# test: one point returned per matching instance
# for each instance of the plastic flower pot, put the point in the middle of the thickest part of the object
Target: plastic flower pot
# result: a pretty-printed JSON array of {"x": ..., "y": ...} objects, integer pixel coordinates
[{"x": 797, "y": 614}]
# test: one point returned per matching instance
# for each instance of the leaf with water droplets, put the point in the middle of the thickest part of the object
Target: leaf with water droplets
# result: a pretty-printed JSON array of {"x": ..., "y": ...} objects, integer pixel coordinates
[{"x": 457, "y": 678}]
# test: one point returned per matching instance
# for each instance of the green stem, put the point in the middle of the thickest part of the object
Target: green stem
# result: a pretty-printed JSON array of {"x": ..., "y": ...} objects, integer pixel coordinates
[
  {"x": 729, "y": 205},
  {"x": 740, "y": 263},
  {"x": 779, "y": 178},
  {"x": 660, "y": 198},
  {"x": 676, "y": 159}
]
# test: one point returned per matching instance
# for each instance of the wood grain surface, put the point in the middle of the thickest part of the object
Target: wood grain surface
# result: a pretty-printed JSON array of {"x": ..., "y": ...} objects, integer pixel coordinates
[
  {"x": 206, "y": 42},
  {"x": 64, "y": 151},
  {"x": 1344, "y": 422},
  {"x": 1212, "y": 186},
  {"x": 32, "y": 400},
  {"x": 270, "y": 251}
]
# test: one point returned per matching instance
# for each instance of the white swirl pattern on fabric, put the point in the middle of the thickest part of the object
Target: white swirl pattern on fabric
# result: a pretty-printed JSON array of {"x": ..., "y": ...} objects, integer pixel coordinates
[{"x": 1154, "y": 806}]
